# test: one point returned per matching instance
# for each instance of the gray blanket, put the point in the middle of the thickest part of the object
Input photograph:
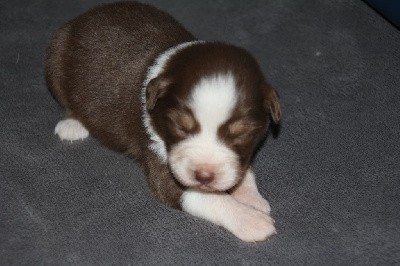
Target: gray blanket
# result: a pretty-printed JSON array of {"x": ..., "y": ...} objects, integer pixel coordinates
[{"x": 331, "y": 174}]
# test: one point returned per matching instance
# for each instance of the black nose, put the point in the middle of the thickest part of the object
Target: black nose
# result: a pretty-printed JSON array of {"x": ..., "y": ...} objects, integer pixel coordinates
[{"x": 204, "y": 176}]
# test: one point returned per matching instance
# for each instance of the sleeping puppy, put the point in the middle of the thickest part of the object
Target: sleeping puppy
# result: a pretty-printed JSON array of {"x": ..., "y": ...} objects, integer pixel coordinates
[{"x": 191, "y": 112}]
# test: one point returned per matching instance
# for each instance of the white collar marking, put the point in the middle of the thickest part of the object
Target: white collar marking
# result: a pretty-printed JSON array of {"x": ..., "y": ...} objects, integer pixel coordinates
[{"x": 157, "y": 144}]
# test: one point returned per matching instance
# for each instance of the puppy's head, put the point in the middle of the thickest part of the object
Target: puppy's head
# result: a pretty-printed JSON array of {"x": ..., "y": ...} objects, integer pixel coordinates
[{"x": 211, "y": 106}]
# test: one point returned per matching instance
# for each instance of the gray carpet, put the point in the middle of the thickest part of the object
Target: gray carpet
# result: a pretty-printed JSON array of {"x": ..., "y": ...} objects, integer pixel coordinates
[{"x": 331, "y": 175}]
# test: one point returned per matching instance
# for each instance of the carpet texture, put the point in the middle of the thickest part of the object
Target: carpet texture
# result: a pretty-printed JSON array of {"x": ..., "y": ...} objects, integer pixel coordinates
[{"x": 331, "y": 175}]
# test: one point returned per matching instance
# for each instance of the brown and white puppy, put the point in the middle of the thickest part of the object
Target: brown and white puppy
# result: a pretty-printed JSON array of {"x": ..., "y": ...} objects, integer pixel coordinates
[{"x": 190, "y": 111}]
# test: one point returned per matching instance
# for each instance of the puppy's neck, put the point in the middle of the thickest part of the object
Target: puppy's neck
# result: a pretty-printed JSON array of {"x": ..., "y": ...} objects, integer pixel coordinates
[{"x": 157, "y": 144}]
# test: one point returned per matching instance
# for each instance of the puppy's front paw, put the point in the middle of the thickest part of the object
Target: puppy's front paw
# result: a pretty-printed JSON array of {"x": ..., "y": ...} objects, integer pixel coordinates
[
  {"x": 251, "y": 225},
  {"x": 261, "y": 204},
  {"x": 254, "y": 200}
]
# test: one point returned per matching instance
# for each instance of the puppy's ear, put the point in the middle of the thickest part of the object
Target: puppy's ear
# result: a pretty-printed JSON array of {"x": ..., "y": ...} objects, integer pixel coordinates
[
  {"x": 272, "y": 103},
  {"x": 156, "y": 89}
]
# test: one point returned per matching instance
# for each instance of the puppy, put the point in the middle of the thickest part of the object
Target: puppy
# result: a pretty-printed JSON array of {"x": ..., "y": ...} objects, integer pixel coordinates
[{"x": 191, "y": 112}]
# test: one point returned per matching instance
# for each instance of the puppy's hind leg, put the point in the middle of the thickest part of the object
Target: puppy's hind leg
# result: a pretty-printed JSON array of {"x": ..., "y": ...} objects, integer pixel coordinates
[{"x": 71, "y": 129}]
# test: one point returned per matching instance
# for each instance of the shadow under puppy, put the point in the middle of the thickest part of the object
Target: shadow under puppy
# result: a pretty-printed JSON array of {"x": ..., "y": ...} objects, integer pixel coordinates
[{"x": 192, "y": 112}]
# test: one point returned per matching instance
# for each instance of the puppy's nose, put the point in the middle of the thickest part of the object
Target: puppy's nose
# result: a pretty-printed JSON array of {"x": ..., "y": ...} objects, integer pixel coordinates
[{"x": 204, "y": 176}]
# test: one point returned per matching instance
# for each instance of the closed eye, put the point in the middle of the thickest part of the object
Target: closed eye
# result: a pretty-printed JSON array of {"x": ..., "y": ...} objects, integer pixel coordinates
[
  {"x": 182, "y": 123},
  {"x": 243, "y": 131}
]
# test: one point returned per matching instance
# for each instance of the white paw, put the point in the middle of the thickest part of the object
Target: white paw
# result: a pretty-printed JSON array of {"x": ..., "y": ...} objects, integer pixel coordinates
[
  {"x": 261, "y": 204},
  {"x": 71, "y": 129},
  {"x": 251, "y": 225},
  {"x": 254, "y": 200}
]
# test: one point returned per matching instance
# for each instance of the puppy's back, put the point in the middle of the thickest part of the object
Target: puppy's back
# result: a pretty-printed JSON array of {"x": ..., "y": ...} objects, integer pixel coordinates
[{"x": 96, "y": 64}]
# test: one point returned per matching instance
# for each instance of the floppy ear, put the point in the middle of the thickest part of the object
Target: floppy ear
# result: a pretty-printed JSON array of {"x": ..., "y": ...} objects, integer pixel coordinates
[
  {"x": 156, "y": 89},
  {"x": 272, "y": 103}
]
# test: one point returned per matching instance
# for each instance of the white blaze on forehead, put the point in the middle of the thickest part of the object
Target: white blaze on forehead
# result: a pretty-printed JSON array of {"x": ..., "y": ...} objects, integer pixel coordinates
[{"x": 212, "y": 102}]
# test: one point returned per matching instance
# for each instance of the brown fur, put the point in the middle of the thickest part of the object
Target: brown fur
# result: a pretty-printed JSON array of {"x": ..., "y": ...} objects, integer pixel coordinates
[
  {"x": 96, "y": 64},
  {"x": 95, "y": 67}
]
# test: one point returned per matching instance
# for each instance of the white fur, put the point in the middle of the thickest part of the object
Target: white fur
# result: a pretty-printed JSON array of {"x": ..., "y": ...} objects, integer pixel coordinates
[
  {"x": 71, "y": 129},
  {"x": 212, "y": 102},
  {"x": 194, "y": 153},
  {"x": 157, "y": 144},
  {"x": 247, "y": 193},
  {"x": 245, "y": 222}
]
